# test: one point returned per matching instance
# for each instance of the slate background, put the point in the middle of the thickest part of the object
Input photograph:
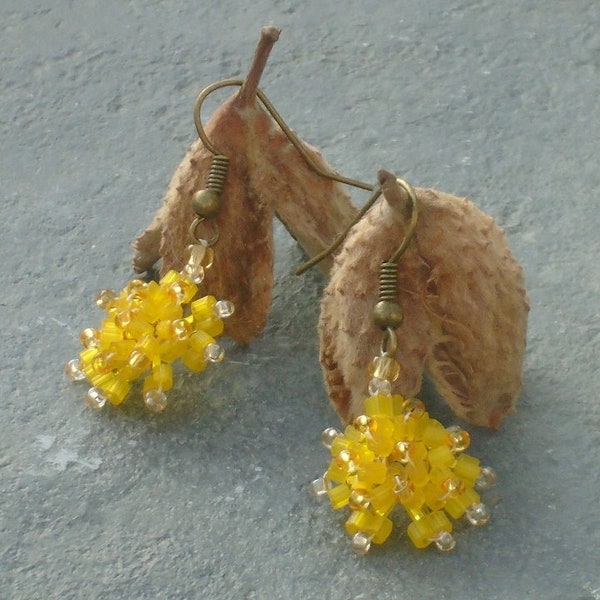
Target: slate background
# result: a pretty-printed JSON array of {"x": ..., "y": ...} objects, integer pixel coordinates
[{"x": 497, "y": 100}]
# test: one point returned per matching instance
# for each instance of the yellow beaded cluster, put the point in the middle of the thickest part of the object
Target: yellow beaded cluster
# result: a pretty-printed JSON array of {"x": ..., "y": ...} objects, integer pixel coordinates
[
  {"x": 148, "y": 326},
  {"x": 397, "y": 454}
]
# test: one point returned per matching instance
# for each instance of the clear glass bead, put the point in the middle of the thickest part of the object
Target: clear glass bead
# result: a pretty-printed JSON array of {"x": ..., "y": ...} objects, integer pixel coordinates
[
  {"x": 380, "y": 386},
  {"x": 444, "y": 541},
  {"x": 95, "y": 399},
  {"x": 105, "y": 299},
  {"x": 487, "y": 478},
  {"x": 361, "y": 543},
  {"x": 223, "y": 309},
  {"x": 328, "y": 436},
  {"x": 214, "y": 353},
  {"x": 478, "y": 514},
  {"x": 74, "y": 371},
  {"x": 459, "y": 438},
  {"x": 319, "y": 487},
  {"x": 155, "y": 400}
]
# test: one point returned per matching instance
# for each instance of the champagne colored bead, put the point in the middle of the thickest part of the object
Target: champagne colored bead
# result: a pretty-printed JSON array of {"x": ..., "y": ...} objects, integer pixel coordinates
[
  {"x": 74, "y": 370},
  {"x": 486, "y": 479},
  {"x": 95, "y": 399},
  {"x": 478, "y": 514},
  {"x": 182, "y": 329},
  {"x": 106, "y": 299},
  {"x": 223, "y": 309},
  {"x": 320, "y": 487},
  {"x": 214, "y": 353},
  {"x": 361, "y": 543},
  {"x": 444, "y": 541},
  {"x": 459, "y": 438},
  {"x": 379, "y": 387},
  {"x": 90, "y": 338},
  {"x": 155, "y": 400},
  {"x": 384, "y": 367},
  {"x": 359, "y": 499},
  {"x": 328, "y": 436}
]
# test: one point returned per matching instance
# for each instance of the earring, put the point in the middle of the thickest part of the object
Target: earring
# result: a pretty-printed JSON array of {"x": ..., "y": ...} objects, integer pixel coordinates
[
  {"x": 149, "y": 325},
  {"x": 395, "y": 453}
]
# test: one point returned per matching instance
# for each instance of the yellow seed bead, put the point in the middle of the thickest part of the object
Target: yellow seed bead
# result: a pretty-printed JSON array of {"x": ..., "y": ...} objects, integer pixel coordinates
[
  {"x": 382, "y": 439},
  {"x": 149, "y": 345},
  {"x": 339, "y": 495},
  {"x": 163, "y": 376},
  {"x": 194, "y": 361},
  {"x": 456, "y": 507},
  {"x": 138, "y": 327},
  {"x": 382, "y": 534},
  {"x": 373, "y": 473},
  {"x": 113, "y": 388},
  {"x": 172, "y": 350},
  {"x": 199, "y": 340},
  {"x": 367, "y": 521},
  {"x": 467, "y": 468},
  {"x": 436, "y": 434},
  {"x": 110, "y": 333},
  {"x": 339, "y": 444},
  {"x": 203, "y": 308},
  {"x": 422, "y": 531},
  {"x": 418, "y": 473},
  {"x": 383, "y": 498},
  {"x": 379, "y": 405},
  {"x": 441, "y": 456},
  {"x": 335, "y": 473},
  {"x": 121, "y": 350},
  {"x": 213, "y": 325}
]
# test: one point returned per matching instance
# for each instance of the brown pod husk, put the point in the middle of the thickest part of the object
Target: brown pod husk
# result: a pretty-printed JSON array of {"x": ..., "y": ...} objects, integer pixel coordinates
[
  {"x": 464, "y": 300},
  {"x": 267, "y": 176}
]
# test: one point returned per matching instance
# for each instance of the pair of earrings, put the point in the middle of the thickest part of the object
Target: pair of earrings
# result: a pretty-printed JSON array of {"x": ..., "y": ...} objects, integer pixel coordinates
[{"x": 218, "y": 239}]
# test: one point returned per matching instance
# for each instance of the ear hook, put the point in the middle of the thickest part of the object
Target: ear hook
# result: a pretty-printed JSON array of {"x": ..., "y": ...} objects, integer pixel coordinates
[
  {"x": 295, "y": 141},
  {"x": 279, "y": 120}
]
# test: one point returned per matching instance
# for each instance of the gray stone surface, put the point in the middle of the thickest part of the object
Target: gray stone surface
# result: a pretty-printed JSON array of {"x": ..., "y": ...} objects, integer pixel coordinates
[{"x": 495, "y": 100}]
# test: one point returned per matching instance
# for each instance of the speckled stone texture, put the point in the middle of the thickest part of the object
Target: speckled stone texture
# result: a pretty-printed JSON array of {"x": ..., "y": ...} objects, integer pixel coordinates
[{"x": 497, "y": 101}]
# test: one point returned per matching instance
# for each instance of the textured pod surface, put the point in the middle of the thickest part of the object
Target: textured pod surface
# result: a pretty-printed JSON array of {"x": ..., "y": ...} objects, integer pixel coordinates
[
  {"x": 267, "y": 176},
  {"x": 464, "y": 301}
]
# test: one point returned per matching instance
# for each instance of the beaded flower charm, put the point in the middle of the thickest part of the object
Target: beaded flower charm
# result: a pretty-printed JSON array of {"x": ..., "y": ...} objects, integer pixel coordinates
[
  {"x": 149, "y": 325},
  {"x": 395, "y": 453}
]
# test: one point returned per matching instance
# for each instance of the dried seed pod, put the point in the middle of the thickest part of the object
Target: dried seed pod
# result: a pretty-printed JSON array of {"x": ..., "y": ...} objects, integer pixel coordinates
[
  {"x": 267, "y": 175},
  {"x": 465, "y": 307}
]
